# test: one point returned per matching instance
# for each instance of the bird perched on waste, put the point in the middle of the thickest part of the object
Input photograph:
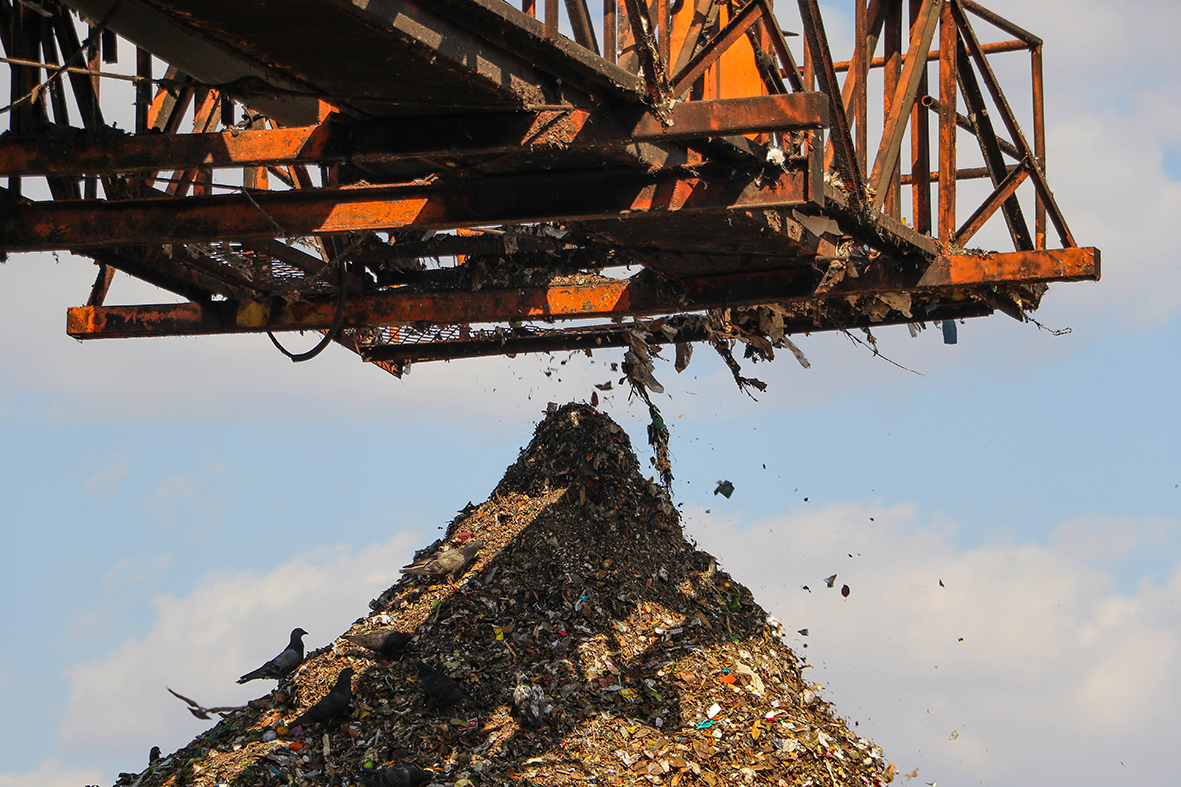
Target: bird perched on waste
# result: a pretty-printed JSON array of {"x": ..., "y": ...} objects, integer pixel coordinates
[
  {"x": 153, "y": 755},
  {"x": 401, "y": 775},
  {"x": 280, "y": 666},
  {"x": 447, "y": 563},
  {"x": 439, "y": 687},
  {"x": 387, "y": 641},
  {"x": 529, "y": 700},
  {"x": 333, "y": 704}
]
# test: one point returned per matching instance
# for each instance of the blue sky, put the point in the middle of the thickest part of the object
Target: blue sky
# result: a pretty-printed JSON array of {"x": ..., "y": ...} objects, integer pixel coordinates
[{"x": 174, "y": 507}]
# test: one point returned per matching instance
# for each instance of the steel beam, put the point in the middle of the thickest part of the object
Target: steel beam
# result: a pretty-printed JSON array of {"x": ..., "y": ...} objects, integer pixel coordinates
[
  {"x": 408, "y": 138},
  {"x": 623, "y": 298},
  {"x": 561, "y": 196}
]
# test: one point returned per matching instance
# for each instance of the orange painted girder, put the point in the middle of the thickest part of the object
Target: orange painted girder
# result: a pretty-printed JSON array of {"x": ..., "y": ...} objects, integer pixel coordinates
[
  {"x": 66, "y": 224},
  {"x": 618, "y": 298},
  {"x": 399, "y": 138}
]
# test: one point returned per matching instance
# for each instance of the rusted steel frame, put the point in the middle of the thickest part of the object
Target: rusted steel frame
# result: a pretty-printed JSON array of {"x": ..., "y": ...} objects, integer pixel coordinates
[
  {"x": 551, "y": 19},
  {"x": 664, "y": 31},
  {"x": 1015, "y": 267},
  {"x": 647, "y": 49},
  {"x": 1006, "y": 112},
  {"x": 512, "y": 342},
  {"x": 703, "y": 10},
  {"x": 580, "y": 22},
  {"x": 859, "y": 75},
  {"x": 1003, "y": 191},
  {"x": 717, "y": 46},
  {"x": 993, "y": 157},
  {"x": 1004, "y": 24},
  {"x": 779, "y": 43},
  {"x": 529, "y": 7},
  {"x": 610, "y": 336},
  {"x": 922, "y": 31},
  {"x": 310, "y": 265},
  {"x": 84, "y": 92},
  {"x": 167, "y": 110},
  {"x": 241, "y": 286},
  {"x": 565, "y": 196},
  {"x": 920, "y": 148},
  {"x": 614, "y": 299},
  {"x": 610, "y": 39},
  {"x": 62, "y": 188},
  {"x": 948, "y": 92},
  {"x": 933, "y": 56},
  {"x": 400, "y": 138},
  {"x": 970, "y": 173},
  {"x": 961, "y": 120},
  {"x": 846, "y": 159},
  {"x": 865, "y": 44},
  {"x": 163, "y": 272},
  {"x": 1039, "y": 142},
  {"x": 892, "y": 73}
]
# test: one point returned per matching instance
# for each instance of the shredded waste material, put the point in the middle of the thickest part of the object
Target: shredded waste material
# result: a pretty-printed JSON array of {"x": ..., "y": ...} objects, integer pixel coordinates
[{"x": 653, "y": 666}]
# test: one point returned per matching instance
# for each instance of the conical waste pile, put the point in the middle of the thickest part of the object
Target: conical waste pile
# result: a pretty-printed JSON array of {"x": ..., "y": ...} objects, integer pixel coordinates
[{"x": 645, "y": 663}]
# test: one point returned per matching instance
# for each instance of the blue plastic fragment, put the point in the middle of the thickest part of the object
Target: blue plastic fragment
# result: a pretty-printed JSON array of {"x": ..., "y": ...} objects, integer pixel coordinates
[{"x": 949, "y": 332}]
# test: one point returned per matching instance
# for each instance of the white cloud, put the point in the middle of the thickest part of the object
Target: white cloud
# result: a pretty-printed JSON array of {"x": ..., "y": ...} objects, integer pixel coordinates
[
  {"x": 1057, "y": 678},
  {"x": 199, "y": 644},
  {"x": 102, "y": 482},
  {"x": 54, "y": 774}
]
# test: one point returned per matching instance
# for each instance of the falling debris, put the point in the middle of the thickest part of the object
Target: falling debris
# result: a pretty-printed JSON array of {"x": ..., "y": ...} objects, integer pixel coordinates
[
  {"x": 955, "y": 734},
  {"x": 725, "y": 489},
  {"x": 830, "y": 580},
  {"x": 641, "y": 658},
  {"x": 845, "y": 591}
]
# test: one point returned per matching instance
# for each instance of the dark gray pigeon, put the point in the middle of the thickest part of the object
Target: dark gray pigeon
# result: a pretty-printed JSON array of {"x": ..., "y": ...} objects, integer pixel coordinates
[
  {"x": 447, "y": 563},
  {"x": 280, "y": 666},
  {"x": 153, "y": 755},
  {"x": 397, "y": 776},
  {"x": 332, "y": 704},
  {"x": 387, "y": 641},
  {"x": 439, "y": 687},
  {"x": 529, "y": 700}
]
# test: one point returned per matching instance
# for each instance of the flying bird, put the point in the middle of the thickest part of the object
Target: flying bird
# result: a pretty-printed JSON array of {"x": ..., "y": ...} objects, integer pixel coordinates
[
  {"x": 197, "y": 710},
  {"x": 439, "y": 687},
  {"x": 401, "y": 775},
  {"x": 332, "y": 704},
  {"x": 387, "y": 641},
  {"x": 447, "y": 563},
  {"x": 529, "y": 700},
  {"x": 280, "y": 666}
]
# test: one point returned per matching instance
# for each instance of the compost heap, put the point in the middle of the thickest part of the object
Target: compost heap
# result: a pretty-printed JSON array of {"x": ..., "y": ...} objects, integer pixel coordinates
[{"x": 657, "y": 667}]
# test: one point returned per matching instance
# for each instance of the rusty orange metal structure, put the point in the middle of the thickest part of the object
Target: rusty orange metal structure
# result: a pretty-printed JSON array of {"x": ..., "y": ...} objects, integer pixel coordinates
[{"x": 468, "y": 177}]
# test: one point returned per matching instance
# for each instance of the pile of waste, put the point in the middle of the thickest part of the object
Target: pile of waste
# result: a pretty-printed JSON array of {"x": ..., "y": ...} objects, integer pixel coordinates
[{"x": 573, "y": 637}]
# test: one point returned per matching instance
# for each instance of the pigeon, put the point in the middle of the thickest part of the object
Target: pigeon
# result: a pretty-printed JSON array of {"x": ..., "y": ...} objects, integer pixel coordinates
[
  {"x": 332, "y": 704},
  {"x": 440, "y": 687},
  {"x": 278, "y": 667},
  {"x": 529, "y": 700},
  {"x": 447, "y": 563},
  {"x": 199, "y": 711},
  {"x": 153, "y": 755},
  {"x": 397, "y": 776},
  {"x": 387, "y": 641}
]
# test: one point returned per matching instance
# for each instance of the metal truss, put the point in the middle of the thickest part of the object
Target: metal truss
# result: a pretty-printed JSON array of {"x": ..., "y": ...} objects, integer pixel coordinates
[{"x": 422, "y": 183}]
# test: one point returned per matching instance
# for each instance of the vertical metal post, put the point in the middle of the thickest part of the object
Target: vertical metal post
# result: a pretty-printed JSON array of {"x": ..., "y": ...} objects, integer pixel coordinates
[
  {"x": 664, "y": 31},
  {"x": 610, "y": 40},
  {"x": 551, "y": 18},
  {"x": 93, "y": 63},
  {"x": 920, "y": 149},
  {"x": 948, "y": 94},
  {"x": 860, "y": 73},
  {"x": 892, "y": 52},
  {"x": 1039, "y": 143}
]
